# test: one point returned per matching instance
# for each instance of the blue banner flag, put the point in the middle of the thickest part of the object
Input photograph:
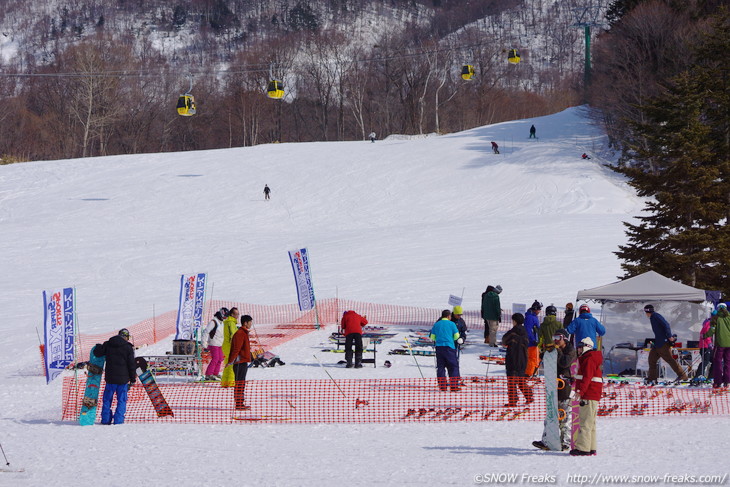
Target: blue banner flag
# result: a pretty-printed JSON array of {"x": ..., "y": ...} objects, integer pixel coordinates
[
  {"x": 302, "y": 278},
  {"x": 190, "y": 308},
  {"x": 59, "y": 323}
]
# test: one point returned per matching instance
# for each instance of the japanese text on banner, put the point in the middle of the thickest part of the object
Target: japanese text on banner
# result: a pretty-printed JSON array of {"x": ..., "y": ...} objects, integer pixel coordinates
[
  {"x": 302, "y": 278},
  {"x": 59, "y": 324}
]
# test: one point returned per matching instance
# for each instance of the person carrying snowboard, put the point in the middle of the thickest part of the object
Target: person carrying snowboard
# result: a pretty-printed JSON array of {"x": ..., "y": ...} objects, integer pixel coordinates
[
  {"x": 267, "y": 192},
  {"x": 495, "y": 147},
  {"x": 119, "y": 375}
]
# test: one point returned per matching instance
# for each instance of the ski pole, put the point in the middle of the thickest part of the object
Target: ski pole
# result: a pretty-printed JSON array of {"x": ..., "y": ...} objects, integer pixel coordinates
[
  {"x": 414, "y": 358},
  {"x": 328, "y": 374},
  {"x": 7, "y": 463}
]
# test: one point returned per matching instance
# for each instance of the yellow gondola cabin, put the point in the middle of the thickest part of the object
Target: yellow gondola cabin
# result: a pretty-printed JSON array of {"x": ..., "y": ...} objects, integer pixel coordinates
[
  {"x": 186, "y": 105},
  {"x": 467, "y": 71},
  {"x": 513, "y": 56},
  {"x": 275, "y": 89}
]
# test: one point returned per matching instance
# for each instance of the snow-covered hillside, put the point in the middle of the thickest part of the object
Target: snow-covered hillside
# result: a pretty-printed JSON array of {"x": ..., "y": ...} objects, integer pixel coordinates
[{"x": 402, "y": 221}]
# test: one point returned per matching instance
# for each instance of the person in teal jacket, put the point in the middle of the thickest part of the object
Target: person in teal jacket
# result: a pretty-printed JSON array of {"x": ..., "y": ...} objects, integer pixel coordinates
[
  {"x": 445, "y": 335},
  {"x": 720, "y": 329}
]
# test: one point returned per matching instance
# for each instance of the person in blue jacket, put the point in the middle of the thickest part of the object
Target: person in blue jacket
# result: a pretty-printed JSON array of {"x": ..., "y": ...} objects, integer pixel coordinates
[
  {"x": 119, "y": 374},
  {"x": 446, "y": 336},
  {"x": 532, "y": 326},
  {"x": 585, "y": 325},
  {"x": 662, "y": 346}
]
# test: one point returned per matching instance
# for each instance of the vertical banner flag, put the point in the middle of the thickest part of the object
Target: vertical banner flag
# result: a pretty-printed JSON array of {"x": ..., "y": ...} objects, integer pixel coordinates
[
  {"x": 190, "y": 308},
  {"x": 455, "y": 300},
  {"x": 59, "y": 323},
  {"x": 302, "y": 278}
]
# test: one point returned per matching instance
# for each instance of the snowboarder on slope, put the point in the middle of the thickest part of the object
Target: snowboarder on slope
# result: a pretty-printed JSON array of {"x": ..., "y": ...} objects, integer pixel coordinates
[
  {"x": 532, "y": 132},
  {"x": 267, "y": 191},
  {"x": 495, "y": 147}
]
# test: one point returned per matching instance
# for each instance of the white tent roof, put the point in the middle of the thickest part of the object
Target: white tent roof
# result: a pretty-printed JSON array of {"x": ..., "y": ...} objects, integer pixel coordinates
[{"x": 649, "y": 286}]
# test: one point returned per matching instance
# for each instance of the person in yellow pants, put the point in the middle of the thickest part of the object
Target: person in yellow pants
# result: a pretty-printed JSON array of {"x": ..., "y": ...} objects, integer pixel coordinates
[{"x": 230, "y": 328}]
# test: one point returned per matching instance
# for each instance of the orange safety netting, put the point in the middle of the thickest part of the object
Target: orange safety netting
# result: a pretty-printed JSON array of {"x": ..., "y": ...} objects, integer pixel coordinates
[{"x": 389, "y": 400}]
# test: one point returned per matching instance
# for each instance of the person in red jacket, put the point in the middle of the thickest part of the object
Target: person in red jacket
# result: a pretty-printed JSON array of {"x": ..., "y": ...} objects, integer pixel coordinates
[
  {"x": 588, "y": 390},
  {"x": 351, "y": 325},
  {"x": 239, "y": 357}
]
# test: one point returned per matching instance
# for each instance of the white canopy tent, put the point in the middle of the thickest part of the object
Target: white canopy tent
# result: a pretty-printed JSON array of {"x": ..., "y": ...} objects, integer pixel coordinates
[
  {"x": 623, "y": 315},
  {"x": 649, "y": 286}
]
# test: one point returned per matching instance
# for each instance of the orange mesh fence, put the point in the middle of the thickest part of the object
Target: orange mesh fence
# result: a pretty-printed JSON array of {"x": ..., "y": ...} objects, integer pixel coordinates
[
  {"x": 289, "y": 322},
  {"x": 388, "y": 400}
]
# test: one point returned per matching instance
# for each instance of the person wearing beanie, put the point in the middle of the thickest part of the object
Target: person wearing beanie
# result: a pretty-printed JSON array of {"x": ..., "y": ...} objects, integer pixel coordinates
[
  {"x": 230, "y": 326},
  {"x": 588, "y": 391},
  {"x": 720, "y": 329},
  {"x": 532, "y": 326},
  {"x": 516, "y": 361},
  {"x": 569, "y": 314},
  {"x": 213, "y": 342},
  {"x": 456, "y": 317},
  {"x": 120, "y": 374},
  {"x": 446, "y": 336},
  {"x": 491, "y": 314},
  {"x": 661, "y": 347}
]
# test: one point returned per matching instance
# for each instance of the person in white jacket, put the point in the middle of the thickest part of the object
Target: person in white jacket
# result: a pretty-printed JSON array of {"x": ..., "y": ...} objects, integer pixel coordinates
[{"x": 213, "y": 341}]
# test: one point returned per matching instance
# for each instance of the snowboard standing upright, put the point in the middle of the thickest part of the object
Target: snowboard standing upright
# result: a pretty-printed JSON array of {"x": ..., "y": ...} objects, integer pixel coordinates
[
  {"x": 153, "y": 390},
  {"x": 94, "y": 368},
  {"x": 551, "y": 436}
]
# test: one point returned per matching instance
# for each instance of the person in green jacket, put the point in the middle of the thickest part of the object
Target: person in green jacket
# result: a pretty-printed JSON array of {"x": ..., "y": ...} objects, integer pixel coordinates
[
  {"x": 548, "y": 327},
  {"x": 720, "y": 329},
  {"x": 230, "y": 327},
  {"x": 491, "y": 313}
]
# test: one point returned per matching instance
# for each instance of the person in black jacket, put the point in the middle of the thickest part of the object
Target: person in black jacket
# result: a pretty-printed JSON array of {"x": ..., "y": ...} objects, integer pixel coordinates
[
  {"x": 516, "y": 360},
  {"x": 119, "y": 375}
]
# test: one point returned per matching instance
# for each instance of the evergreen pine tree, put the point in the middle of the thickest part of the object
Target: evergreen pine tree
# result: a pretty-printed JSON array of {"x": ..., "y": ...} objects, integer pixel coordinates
[{"x": 682, "y": 162}]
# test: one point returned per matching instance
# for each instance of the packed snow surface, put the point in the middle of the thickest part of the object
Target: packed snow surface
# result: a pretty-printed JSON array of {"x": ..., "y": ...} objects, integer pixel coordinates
[{"x": 400, "y": 221}]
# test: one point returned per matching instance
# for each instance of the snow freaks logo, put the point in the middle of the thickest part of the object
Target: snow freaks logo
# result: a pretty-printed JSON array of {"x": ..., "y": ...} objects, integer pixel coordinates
[{"x": 514, "y": 478}]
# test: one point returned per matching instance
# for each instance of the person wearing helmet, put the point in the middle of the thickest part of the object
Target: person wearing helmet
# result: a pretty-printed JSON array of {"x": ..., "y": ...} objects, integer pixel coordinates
[
  {"x": 549, "y": 326},
  {"x": 491, "y": 314},
  {"x": 720, "y": 329},
  {"x": 585, "y": 325},
  {"x": 588, "y": 390},
  {"x": 532, "y": 326},
  {"x": 213, "y": 341},
  {"x": 661, "y": 347},
  {"x": 119, "y": 374}
]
